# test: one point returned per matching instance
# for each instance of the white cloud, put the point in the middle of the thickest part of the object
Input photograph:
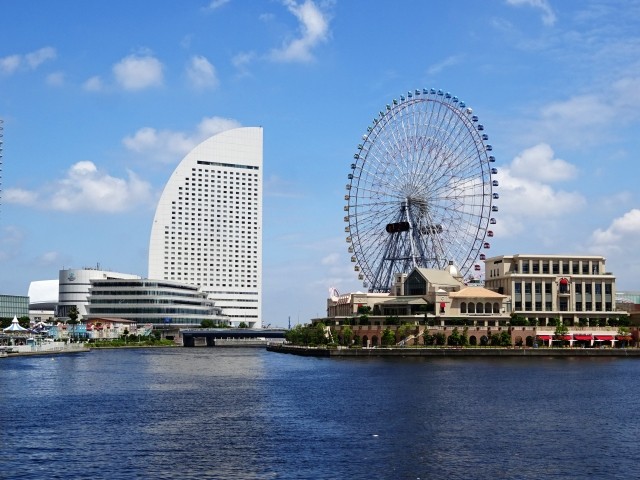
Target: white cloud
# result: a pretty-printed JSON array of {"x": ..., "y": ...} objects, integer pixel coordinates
[
  {"x": 314, "y": 29},
  {"x": 137, "y": 72},
  {"x": 216, "y": 4},
  {"x": 572, "y": 122},
  {"x": 85, "y": 188},
  {"x": 94, "y": 84},
  {"x": 201, "y": 73},
  {"x": 241, "y": 62},
  {"x": 20, "y": 196},
  {"x": 548, "y": 16},
  {"x": 525, "y": 198},
  {"x": 538, "y": 163},
  {"x": 444, "y": 64},
  {"x": 331, "y": 259},
  {"x": 29, "y": 61},
  {"x": 55, "y": 79},
  {"x": 167, "y": 146},
  {"x": 10, "y": 64},
  {"x": 35, "y": 59},
  {"x": 623, "y": 231},
  {"x": 619, "y": 242}
]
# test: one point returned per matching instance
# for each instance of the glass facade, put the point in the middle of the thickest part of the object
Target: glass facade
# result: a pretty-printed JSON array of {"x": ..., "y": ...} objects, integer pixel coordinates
[{"x": 14, "y": 306}]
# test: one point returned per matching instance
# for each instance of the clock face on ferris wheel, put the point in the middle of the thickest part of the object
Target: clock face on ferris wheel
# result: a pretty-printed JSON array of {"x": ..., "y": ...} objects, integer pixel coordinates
[{"x": 420, "y": 190}]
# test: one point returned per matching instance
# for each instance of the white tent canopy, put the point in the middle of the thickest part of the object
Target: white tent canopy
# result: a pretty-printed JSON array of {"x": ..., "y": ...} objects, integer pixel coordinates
[{"x": 15, "y": 326}]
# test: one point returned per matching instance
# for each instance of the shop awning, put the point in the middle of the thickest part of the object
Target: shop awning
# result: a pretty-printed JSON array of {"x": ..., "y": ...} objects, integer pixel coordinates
[
  {"x": 587, "y": 338},
  {"x": 564, "y": 337},
  {"x": 623, "y": 337},
  {"x": 544, "y": 337},
  {"x": 604, "y": 338}
]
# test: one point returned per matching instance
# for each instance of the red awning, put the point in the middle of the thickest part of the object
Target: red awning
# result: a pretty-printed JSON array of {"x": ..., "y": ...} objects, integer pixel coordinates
[
  {"x": 623, "y": 337},
  {"x": 606, "y": 338},
  {"x": 588, "y": 338},
  {"x": 544, "y": 337},
  {"x": 564, "y": 337}
]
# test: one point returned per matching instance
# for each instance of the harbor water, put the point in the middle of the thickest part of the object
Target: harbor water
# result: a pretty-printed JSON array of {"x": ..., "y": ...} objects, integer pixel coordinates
[{"x": 243, "y": 413}]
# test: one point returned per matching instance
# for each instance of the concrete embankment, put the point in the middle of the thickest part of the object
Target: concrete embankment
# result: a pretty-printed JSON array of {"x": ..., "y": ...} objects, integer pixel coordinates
[
  {"x": 56, "y": 348},
  {"x": 455, "y": 352}
]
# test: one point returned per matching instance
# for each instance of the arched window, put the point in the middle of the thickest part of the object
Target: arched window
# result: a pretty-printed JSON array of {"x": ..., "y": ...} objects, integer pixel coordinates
[
  {"x": 496, "y": 307},
  {"x": 479, "y": 308},
  {"x": 487, "y": 307},
  {"x": 472, "y": 307},
  {"x": 463, "y": 307}
]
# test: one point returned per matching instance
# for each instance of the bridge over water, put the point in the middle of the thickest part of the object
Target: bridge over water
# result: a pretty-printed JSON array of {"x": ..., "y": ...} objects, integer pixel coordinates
[{"x": 210, "y": 335}]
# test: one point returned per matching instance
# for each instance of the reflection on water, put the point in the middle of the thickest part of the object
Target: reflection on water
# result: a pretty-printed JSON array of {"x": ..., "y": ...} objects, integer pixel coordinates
[{"x": 246, "y": 413}]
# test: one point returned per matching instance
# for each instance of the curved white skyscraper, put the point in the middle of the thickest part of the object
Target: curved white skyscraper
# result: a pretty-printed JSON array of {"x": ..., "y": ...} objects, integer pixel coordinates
[{"x": 207, "y": 229}]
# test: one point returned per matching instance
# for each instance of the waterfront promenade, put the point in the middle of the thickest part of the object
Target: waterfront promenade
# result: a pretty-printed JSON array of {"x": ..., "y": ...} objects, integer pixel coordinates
[{"x": 452, "y": 352}]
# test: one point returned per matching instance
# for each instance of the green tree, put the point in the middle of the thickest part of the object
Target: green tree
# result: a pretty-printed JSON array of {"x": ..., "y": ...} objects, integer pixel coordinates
[
  {"x": 243, "y": 325},
  {"x": 207, "y": 323},
  {"x": 464, "y": 338},
  {"x": 505, "y": 338},
  {"x": 24, "y": 321},
  {"x": 320, "y": 334},
  {"x": 388, "y": 337},
  {"x": 73, "y": 315},
  {"x": 441, "y": 338},
  {"x": 560, "y": 331},
  {"x": 454, "y": 338},
  {"x": 427, "y": 337},
  {"x": 392, "y": 320},
  {"x": 403, "y": 331},
  {"x": 347, "y": 335}
]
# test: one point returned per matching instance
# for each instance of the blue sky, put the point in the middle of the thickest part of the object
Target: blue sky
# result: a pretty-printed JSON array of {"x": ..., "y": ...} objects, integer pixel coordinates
[{"x": 101, "y": 100}]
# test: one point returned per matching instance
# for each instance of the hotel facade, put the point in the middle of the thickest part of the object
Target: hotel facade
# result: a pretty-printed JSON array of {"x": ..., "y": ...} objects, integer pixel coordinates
[
  {"x": 575, "y": 289},
  {"x": 207, "y": 229}
]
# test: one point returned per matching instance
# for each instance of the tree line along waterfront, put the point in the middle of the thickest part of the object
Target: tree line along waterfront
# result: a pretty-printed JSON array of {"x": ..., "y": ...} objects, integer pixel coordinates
[{"x": 362, "y": 331}]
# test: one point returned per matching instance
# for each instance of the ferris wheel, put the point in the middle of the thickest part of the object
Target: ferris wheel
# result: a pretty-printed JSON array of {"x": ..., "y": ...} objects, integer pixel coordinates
[{"x": 420, "y": 190}]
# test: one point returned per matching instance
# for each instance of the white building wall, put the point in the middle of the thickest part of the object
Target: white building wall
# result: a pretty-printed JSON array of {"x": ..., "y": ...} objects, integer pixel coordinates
[
  {"x": 74, "y": 285},
  {"x": 207, "y": 230}
]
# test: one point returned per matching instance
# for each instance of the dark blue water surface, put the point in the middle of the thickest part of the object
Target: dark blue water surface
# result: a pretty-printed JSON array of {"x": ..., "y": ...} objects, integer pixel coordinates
[{"x": 249, "y": 414}]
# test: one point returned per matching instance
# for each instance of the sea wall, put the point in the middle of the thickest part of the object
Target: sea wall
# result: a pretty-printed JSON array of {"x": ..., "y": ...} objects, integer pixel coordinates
[{"x": 454, "y": 352}]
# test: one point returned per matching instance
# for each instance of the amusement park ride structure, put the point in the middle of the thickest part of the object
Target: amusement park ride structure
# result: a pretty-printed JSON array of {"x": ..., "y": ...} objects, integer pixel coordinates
[{"x": 421, "y": 190}]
